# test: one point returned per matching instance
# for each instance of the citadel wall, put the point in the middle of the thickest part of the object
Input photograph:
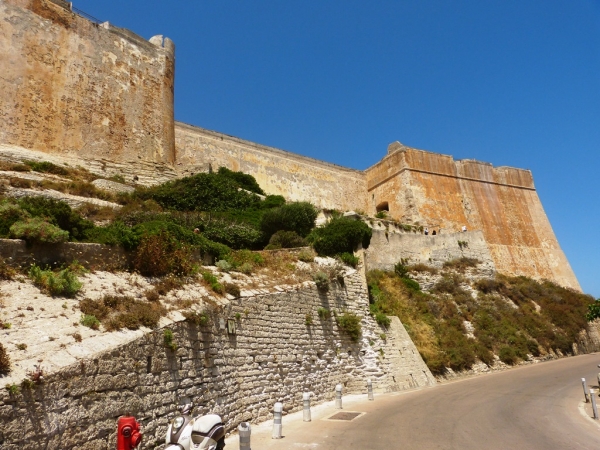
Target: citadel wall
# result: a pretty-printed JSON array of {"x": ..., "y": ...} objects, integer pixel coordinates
[
  {"x": 70, "y": 86},
  {"x": 273, "y": 356},
  {"x": 278, "y": 172},
  {"x": 436, "y": 191}
]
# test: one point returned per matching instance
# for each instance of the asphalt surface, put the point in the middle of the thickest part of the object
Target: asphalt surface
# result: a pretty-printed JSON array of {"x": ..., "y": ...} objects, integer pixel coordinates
[{"x": 533, "y": 407}]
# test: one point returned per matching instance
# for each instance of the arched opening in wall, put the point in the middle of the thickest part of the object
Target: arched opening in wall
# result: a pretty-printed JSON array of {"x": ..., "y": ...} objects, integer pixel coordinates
[{"x": 383, "y": 206}]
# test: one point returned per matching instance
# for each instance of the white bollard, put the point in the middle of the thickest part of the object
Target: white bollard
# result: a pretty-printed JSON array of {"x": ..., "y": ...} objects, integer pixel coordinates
[
  {"x": 585, "y": 390},
  {"x": 370, "y": 389},
  {"x": 306, "y": 404},
  {"x": 277, "y": 414},
  {"x": 244, "y": 432},
  {"x": 338, "y": 396},
  {"x": 594, "y": 408}
]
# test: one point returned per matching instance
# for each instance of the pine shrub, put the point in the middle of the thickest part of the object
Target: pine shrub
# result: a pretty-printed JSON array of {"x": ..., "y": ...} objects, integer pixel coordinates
[
  {"x": 340, "y": 235},
  {"x": 38, "y": 230},
  {"x": 285, "y": 239},
  {"x": 297, "y": 216}
]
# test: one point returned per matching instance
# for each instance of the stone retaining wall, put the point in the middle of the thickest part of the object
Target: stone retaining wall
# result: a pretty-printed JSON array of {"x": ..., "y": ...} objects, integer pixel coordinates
[
  {"x": 387, "y": 249},
  {"x": 273, "y": 356}
]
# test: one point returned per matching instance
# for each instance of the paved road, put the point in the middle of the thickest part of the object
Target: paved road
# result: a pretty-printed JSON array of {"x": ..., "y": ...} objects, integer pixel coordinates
[{"x": 532, "y": 407}]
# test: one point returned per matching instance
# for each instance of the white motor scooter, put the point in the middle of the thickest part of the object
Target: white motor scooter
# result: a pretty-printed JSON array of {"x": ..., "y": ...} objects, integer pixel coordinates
[{"x": 198, "y": 433}]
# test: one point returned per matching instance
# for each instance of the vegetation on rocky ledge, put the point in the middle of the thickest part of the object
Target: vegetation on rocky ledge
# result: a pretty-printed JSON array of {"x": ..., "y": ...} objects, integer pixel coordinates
[{"x": 460, "y": 321}]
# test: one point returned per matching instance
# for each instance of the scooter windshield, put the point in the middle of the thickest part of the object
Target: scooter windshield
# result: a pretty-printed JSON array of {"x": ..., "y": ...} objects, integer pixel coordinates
[{"x": 200, "y": 442}]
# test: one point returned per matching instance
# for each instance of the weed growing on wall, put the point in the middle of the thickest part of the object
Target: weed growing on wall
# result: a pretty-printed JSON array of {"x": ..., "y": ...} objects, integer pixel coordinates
[
  {"x": 323, "y": 313},
  {"x": 168, "y": 340},
  {"x": 350, "y": 324},
  {"x": 321, "y": 279},
  {"x": 196, "y": 318}
]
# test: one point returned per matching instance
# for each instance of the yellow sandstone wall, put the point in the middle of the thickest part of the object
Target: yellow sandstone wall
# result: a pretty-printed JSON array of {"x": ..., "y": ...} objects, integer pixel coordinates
[
  {"x": 70, "y": 86},
  {"x": 278, "y": 172},
  {"x": 436, "y": 191}
]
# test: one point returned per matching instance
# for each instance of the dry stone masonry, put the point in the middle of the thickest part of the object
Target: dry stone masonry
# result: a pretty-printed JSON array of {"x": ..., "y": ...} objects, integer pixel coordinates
[{"x": 273, "y": 355}]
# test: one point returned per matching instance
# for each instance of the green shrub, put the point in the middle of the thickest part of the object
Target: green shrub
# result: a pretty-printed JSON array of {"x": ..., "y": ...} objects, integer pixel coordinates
[
  {"x": 308, "y": 320},
  {"x": 37, "y": 229},
  {"x": 593, "y": 311},
  {"x": 168, "y": 340},
  {"x": 46, "y": 167},
  {"x": 197, "y": 318},
  {"x": 89, "y": 321},
  {"x": 223, "y": 266},
  {"x": 297, "y": 216},
  {"x": 12, "y": 389},
  {"x": 232, "y": 233},
  {"x": 273, "y": 201},
  {"x": 321, "y": 279},
  {"x": 323, "y": 313},
  {"x": 411, "y": 284},
  {"x": 58, "y": 213},
  {"x": 245, "y": 260},
  {"x": 5, "y": 366},
  {"x": 340, "y": 235},
  {"x": 243, "y": 180},
  {"x": 285, "y": 239},
  {"x": 213, "y": 282},
  {"x": 401, "y": 269},
  {"x": 116, "y": 233},
  {"x": 382, "y": 319},
  {"x": 63, "y": 282},
  {"x": 349, "y": 259},
  {"x": 306, "y": 255},
  {"x": 201, "y": 192},
  {"x": 350, "y": 323},
  {"x": 507, "y": 355},
  {"x": 10, "y": 213},
  {"x": 161, "y": 254}
]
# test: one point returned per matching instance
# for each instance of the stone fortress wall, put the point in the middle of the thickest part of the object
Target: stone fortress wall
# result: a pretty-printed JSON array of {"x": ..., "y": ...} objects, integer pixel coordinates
[
  {"x": 102, "y": 97},
  {"x": 73, "y": 87},
  {"x": 278, "y": 172},
  {"x": 443, "y": 194},
  {"x": 273, "y": 356}
]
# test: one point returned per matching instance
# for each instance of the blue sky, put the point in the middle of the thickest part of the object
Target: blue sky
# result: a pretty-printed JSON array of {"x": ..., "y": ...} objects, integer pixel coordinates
[{"x": 504, "y": 81}]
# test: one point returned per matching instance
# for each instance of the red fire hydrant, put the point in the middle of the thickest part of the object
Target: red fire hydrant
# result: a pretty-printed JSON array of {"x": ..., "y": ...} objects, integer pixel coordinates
[{"x": 128, "y": 433}]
